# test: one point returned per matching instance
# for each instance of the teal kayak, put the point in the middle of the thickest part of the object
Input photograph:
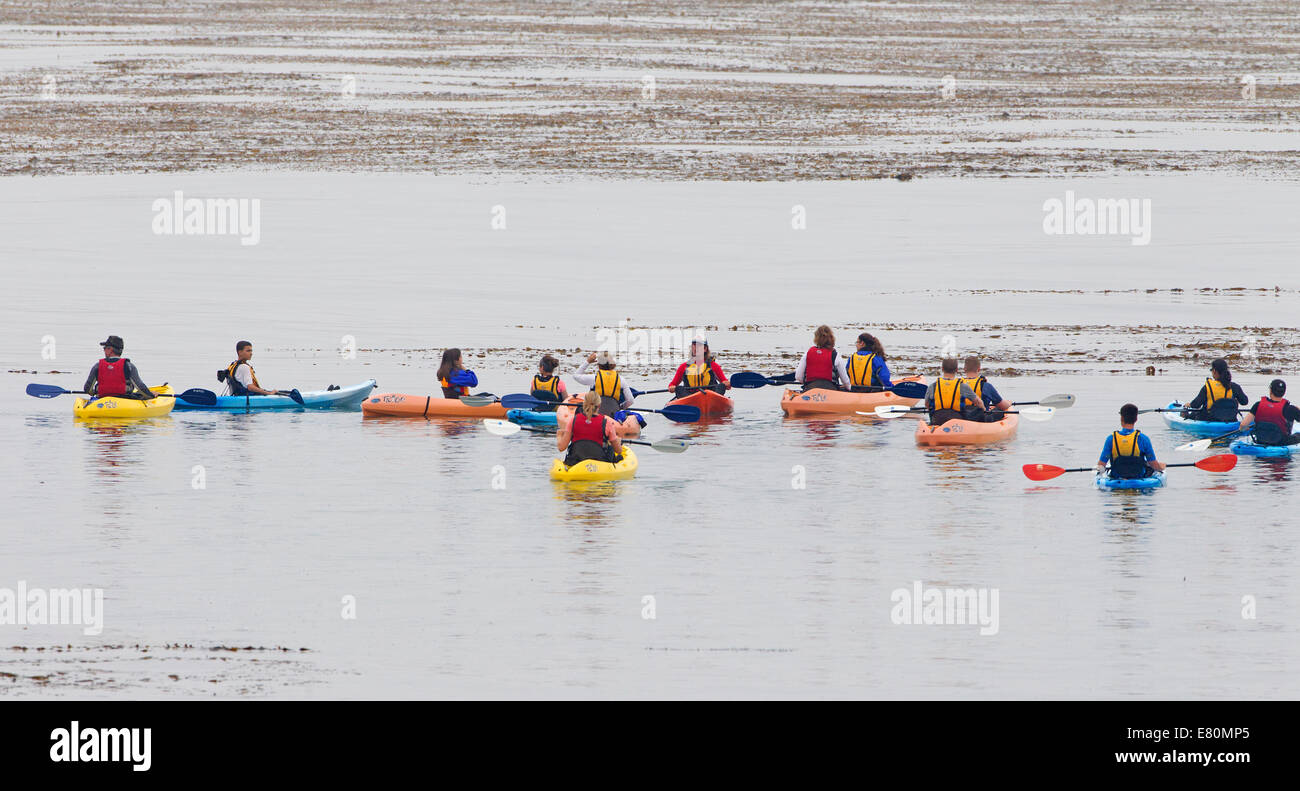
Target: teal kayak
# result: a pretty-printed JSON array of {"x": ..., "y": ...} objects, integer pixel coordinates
[
  {"x": 1154, "y": 481},
  {"x": 1246, "y": 447},
  {"x": 342, "y": 398},
  {"x": 527, "y": 417},
  {"x": 1201, "y": 428}
]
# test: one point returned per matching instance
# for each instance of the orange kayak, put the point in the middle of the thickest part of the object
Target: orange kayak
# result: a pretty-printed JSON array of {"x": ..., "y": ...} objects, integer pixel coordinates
[
  {"x": 403, "y": 405},
  {"x": 563, "y": 414},
  {"x": 842, "y": 402},
  {"x": 710, "y": 403},
  {"x": 964, "y": 432}
]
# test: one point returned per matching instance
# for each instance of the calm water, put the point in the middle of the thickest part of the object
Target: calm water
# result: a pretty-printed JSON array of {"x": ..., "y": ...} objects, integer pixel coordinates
[{"x": 536, "y": 589}]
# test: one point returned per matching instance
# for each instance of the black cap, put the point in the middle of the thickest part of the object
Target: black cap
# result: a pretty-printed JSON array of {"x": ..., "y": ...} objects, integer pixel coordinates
[
  {"x": 115, "y": 342},
  {"x": 1277, "y": 387}
]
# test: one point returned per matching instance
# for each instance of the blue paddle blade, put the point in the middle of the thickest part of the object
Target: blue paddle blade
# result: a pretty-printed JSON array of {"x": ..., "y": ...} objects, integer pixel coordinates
[
  {"x": 45, "y": 391},
  {"x": 748, "y": 380},
  {"x": 522, "y": 401},
  {"x": 296, "y": 396},
  {"x": 199, "y": 396},
  {"x": 681, "y": 413},
  {"x": 909, "y": 390}
]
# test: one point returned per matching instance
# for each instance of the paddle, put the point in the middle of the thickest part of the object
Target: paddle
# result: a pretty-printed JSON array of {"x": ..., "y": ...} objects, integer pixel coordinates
[
  {"x": 194, "y": 395},
  {"x": 504, "y": 428},
  {"x": 1046, "y": 472},
  {"x": 481, "y": 400},
  {"x": 1204, "y": 444},
  {"x": 1179, "y": 409},
  {"x": 681, "y": 413},
  {"x": 748, "y": 380},
  {"x": 1037, "y": 414},
  {"x": 638, "y": 393},
  {"x": 1058, "y": 400},
  {"x": 294, "y": 394}
]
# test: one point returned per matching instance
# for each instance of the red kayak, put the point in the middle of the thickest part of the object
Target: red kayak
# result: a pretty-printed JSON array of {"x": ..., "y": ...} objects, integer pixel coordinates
[{"x": 710, "y": 403}]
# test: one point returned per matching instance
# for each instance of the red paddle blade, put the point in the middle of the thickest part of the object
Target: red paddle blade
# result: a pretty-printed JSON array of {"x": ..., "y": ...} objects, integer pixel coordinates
[
  {"x": 1221, "y": 463},
  {"x": 1046, "y": 472}
]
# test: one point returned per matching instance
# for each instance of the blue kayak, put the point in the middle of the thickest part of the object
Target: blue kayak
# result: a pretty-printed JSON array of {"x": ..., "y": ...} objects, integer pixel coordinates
[
  {"x": 527, "y": 417},
  {"x": 1154, "y": 481},
  {"x": 1246, "y": 447},
  {"x": 343, "y": 398},
  {"x": 1201, "y": 428}
]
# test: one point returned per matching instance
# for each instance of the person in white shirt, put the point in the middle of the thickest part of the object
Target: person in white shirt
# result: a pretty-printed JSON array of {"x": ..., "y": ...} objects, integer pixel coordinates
[{"x": 239, "y": 376}]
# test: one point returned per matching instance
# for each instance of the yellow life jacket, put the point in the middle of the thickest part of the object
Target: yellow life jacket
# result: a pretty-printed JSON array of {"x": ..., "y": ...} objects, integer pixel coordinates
[
  {"x": 550, "y": 384},
  {"x": 862, "y": 370},
  {"x": 977, "y": 385},
  {"x": 1216, "y": 391},
  {"x": 947, "y": 394},
  {"x": 230, "y": 374},
  {"x": 448, "y": 386},
  {"x": 1121, "y": 445},
  {"x": 699, "y": 375},
  {"x": 608, "y": 384}
]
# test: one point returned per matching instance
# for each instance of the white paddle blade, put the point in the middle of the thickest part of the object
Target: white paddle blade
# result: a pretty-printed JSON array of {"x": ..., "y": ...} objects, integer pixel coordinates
[
  {"x": 502, "y": 428},
  {"x": 890, "y": 411},
  {"x": 671, "y": 446},
  {"x": 1058, "y": 400},
  {"x": 1037, "y": 414},
  {"x": 1197, "y": 446}
]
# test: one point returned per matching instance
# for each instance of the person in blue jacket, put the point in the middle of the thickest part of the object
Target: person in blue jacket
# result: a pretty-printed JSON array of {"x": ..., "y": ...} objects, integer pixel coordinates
[
  {"x": 994, "y": 403},
  {"x": 454, "y": 377},
  {"x": 1128, "y": 451}
]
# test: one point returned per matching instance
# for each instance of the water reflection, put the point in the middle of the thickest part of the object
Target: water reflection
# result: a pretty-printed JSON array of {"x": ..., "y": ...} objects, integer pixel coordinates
[
  {"x": 1130, "y": 506},
  {"x": 960, "y": 466},
  {"x": 592, "y": 504},
  {"x": 822, "y": 433},
  {"x": 114, "y": 460},
  {"x": 1271, "y": 472}
]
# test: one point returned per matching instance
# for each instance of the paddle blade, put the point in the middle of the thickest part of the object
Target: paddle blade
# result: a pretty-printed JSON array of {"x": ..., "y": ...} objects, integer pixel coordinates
[
  {"x": 891, "y": 410},
  {"x": 198, "y": 395},
  {"x": 472, "y": 400},
  {"x": 748, "y": 380},
  {"x": 45, "y": 391},
  {"x": 1042, "y": 472},
  {"x": 296, "y": 396},
  {"x": 1037, "y": 414},
  {"x": 682, "y": 413},
  {"x": 520, "y": 401},
  {"x": 502, "y": 428},
  {"x": 1197, "y": 446},
  {"x": 1058, "y": 400},
  {"x": 670, "y": 445},
  {"x": 909, "y": 390},
  {"x": 1221, "y": 463}
]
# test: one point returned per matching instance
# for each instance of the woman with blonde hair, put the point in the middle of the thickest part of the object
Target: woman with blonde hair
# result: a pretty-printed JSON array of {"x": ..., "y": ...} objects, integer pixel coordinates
[
  {"x": 589, "y": 435},
  {"x": 821, "y": 367}
]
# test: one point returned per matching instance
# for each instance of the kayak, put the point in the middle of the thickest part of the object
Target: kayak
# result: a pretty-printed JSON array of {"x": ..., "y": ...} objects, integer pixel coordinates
[
  {"x": 343, "y": 398},
  {"x": 1203, "y": 428},
  {"x": 550, "y": 420},
  {"x": 114, "y": 407},
  {"x": 596, "y": 470},
  {"x": 711, "y": 404},
  {"x": 842, "y": 402},
  {"x": 1246, "y": 447},
  {"x": 403, "y": 405},
  {"x": 966, "y": 432},
  {"x": 1154, "y": 481}
]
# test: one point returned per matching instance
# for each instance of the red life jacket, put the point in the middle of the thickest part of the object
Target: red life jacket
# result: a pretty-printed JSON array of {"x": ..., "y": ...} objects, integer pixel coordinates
[
  {"x": 591, "y": 429},
  {"x": 820, "y": 364},
  {"x": 1269, "y": 411},
  {"x": 110, "y": 380}
]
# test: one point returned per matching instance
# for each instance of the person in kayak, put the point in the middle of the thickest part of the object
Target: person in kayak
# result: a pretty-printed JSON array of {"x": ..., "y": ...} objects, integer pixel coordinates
[
  {"x": 1219, "y": 399},
  {"x": 701, "y": 372},
  {"x": 615, "y": 395},
  {"x": 821, "y": 367},
  {"x": 454, "y": 377},
  {"x": 546, "y": 385},
  {"x": 950, "y": 398},
  {"x": 866, "y": 370},
  {"x": 239, "y": 376},
  {"x": 116, "y": 375},
  {"x": 1128, "y": 451},
  {"x": 1273, "y": 417},
  {"x": 994, "y": 403},
  {"x": 589, "y": 435}
]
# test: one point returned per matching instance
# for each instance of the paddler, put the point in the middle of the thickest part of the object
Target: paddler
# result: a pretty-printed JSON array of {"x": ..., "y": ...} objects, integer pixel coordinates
[
  {"x": 1128, "y": 451},
  {"x": 1219, "y": 399},
  {"x": 615, "y": 395},
  {"x": 239, "y": 376},
  {"x": 950, "y": 398},
  {"x": 454, "y": 377},
  {"x": 866, "y": 368},
  {"x": 546, "y": 385},
  {"x": 1274, "y": 418},
  {"x": 116, "y": 375},
  {"x": 988, "y": 394},
  {"x": 821, "y": 367},
  {"x": 589, "y": 436},
  {"x": 701, "y": 372}
]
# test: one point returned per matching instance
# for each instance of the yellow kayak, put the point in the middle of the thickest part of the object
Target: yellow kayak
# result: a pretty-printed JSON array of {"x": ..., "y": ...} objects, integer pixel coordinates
[
  {"x": 118, "y": 408},
  {"x": 596, "y": 470}
]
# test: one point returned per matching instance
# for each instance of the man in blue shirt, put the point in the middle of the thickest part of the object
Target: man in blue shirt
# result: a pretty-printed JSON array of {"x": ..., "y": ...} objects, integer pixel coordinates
[
  {"x": 1129, "y": 451},
  {"x": 983, "y": 388}
]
